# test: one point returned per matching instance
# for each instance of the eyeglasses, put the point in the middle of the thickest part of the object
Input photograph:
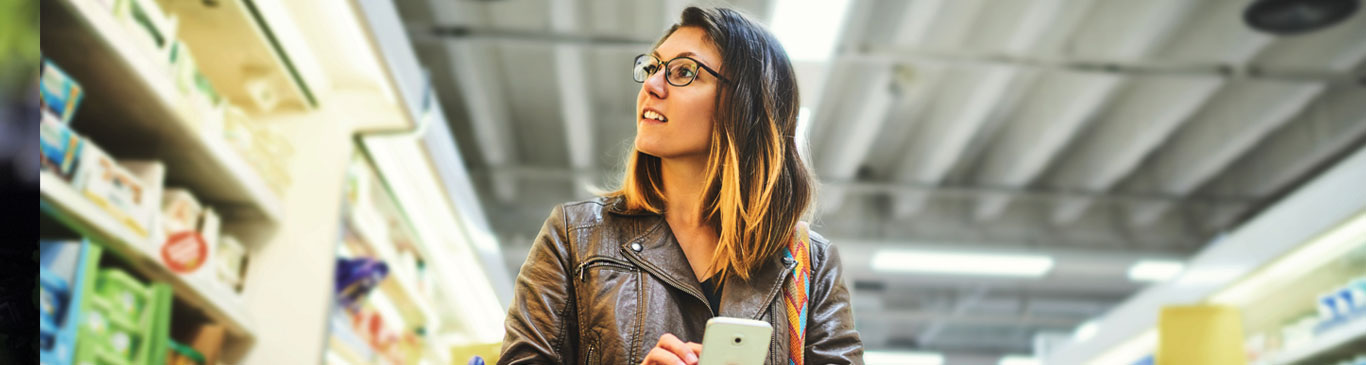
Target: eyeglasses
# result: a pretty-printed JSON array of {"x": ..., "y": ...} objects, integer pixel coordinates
[{"x": 679, "y": 71}]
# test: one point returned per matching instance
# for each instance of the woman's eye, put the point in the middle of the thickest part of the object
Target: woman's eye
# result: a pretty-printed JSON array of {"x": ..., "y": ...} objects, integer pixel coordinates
[{"x": 686, "y": 72}]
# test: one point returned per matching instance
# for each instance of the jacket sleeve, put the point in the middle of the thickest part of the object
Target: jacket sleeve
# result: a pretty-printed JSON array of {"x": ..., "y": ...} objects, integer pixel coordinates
[
  {"x": 541, "y": 320},
  {"x": 830, "y": 334}
]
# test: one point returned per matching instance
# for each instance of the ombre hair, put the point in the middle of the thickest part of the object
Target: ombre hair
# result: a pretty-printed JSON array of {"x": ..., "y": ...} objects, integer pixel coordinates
[{"x": 756, "y": 186}]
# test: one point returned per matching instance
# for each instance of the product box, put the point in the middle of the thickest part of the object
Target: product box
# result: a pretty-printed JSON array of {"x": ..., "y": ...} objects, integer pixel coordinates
[
  {"x": 112, "y": 187},
  {"x": 60, "y": 93},
  {"x": 66, "y": 269},
  {"x": 229, "y": 261},
  {"x": 189, "y": 252},
  {"x": 180, "y": 211},
  {"x": 152, "y": 174},
  {"x": 60, "y": 146}
]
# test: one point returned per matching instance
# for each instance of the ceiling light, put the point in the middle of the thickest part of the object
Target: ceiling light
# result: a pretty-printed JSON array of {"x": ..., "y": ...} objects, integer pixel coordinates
[
  {"x": 902, "y": 358},
  {"x": 1018, "y": 360},
  {"x": 808, "y": 29},
  {"x": 1155, "y": 270},
  {"x": 1085, "y": 331},
  {"x": 962, "y": 263}
]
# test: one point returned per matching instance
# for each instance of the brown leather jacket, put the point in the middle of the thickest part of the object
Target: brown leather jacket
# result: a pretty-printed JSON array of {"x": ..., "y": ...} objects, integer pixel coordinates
[{"x": 601, "y": 285}]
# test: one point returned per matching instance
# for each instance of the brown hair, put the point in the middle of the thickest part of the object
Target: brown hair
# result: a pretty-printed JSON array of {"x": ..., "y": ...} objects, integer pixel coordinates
[{"x": 757, "y": 187}]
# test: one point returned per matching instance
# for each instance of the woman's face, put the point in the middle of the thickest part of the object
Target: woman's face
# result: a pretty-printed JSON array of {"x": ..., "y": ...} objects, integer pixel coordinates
[{"x": 687, "y": 110}]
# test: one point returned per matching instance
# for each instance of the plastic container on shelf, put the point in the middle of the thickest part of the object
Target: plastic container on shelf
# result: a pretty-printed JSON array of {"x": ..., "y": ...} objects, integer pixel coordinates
[
  {"x": 128, "y": 296},
  {"x": 113, "y": 331}
]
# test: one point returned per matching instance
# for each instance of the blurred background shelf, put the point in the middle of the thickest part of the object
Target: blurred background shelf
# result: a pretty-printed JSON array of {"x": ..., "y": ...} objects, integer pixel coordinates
[
  {"x": 61, "y": 202},
  {"x": 1342, "y": 340},
  {"x": 134, "y": 111}
]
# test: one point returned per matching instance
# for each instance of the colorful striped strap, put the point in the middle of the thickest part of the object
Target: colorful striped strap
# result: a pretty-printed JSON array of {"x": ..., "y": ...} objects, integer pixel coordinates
[{"x": 796, "y": 292}]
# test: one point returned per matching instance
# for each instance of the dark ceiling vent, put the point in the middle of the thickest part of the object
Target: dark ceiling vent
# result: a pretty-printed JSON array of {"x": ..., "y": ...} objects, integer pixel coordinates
[{"x": 1293, "y": 17}]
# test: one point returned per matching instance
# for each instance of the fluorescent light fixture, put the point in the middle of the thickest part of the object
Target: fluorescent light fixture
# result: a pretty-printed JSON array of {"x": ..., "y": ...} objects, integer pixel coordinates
[
  {"x": 1019, "y": 360},
  {"x": 1318, "y": 252},
  {"x": 902, "y": 358},
  {"x": 1086, "y": 331},
  {"x": 962, "y": 263},
  {"x": 808, "y": 29},
  {"x": 1155, "y": 270}
]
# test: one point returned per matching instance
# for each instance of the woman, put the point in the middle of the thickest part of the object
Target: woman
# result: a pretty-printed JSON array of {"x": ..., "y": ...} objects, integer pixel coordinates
[{"x": 711, "y": 198}]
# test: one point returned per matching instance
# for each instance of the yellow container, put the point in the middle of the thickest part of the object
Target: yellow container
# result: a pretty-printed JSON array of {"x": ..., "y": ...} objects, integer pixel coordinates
[{"x": 1200, "y": 334}]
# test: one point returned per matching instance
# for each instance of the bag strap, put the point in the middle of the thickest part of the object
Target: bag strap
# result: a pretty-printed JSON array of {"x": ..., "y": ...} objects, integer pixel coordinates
[{"x": 796, "y": 292}]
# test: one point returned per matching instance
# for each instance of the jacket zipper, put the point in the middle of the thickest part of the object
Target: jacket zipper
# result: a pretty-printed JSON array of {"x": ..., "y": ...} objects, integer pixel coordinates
[
  {"x": 601, "y": 261},
  {"x": 669, "y": 279}
]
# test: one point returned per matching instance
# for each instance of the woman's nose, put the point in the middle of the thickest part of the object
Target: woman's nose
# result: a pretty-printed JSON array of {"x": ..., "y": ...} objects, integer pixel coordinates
[{"x": 657, "y": 85}]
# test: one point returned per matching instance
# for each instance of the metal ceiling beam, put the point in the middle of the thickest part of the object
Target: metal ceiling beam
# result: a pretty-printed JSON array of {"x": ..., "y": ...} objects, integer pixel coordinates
[
  {"x": 941, "y": 143},
  {"x": 1328, "y": 128},
  {"x": 1229, "y": 127},
  {"x": 575, "y": 101},
  {"x": 483, "y": 94},
  {"x": 960, "y": 307},
  {"x": 1038, "y": 133},
  {"x": 1066, "y": 103},
  {"x": 834, "y": 140},
  {"x": 1154, "y": 108}
]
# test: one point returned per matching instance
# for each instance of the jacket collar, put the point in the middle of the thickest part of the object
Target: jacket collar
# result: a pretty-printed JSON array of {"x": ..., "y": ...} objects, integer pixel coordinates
[{"x": 660, "y": 255}]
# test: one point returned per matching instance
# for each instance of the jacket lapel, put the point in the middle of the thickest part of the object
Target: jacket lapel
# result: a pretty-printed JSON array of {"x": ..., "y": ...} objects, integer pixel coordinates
[
  {"x": 657, "y": 252},
  {"x": 749, "y": 299}
]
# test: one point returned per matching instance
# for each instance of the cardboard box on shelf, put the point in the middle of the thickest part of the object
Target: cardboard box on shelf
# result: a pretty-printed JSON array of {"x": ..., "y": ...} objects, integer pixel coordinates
[
  {"x": 113, "y": 188},
  {"x": 153, "y": 176},
  {"x": 230, "y": 257},
  {"x": 188, "y": 252},
  {"x": 180, "y": 211}
]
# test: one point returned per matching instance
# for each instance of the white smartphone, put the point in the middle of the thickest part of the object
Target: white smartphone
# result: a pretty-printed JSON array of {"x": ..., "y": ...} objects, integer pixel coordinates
[{"x": 735, "y": 341}]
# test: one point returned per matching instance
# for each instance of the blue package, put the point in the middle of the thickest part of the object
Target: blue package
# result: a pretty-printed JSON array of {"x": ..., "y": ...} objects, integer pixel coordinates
[
  {"x": 60, "y": 147},
  {"x": 60, "y": 93}
]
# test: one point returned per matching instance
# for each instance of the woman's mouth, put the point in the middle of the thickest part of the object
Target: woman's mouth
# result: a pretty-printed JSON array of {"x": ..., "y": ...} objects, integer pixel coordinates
[{"x": 654, "y": 115}]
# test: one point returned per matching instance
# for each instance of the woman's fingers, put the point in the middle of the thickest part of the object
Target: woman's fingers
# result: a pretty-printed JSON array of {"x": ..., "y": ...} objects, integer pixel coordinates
[
  {"x": 670, "y": 350},
  {"x": 660, "y": 356},
  {"x": 696, "y": 348}
]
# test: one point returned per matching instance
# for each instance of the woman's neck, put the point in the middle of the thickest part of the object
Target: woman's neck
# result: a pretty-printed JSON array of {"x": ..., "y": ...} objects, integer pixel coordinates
[
  {"x": 682, "y": 180},
  {"x": 683, "y": 185}
]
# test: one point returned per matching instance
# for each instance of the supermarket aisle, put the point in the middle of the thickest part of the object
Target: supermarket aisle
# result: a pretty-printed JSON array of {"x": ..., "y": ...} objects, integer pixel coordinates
[{"x": 238, "y": 182}]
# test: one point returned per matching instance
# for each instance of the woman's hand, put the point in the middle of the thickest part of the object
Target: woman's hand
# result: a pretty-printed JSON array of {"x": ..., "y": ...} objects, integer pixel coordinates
[{"x": 672, "y": 351}]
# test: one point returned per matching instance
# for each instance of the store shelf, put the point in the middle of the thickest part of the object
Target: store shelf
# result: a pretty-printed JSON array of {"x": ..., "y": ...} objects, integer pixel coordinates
[
  {"x": 1342, "y": 340},
  {"x": 413, "y": 306},
  {"x": 134, "y": 110},
  {"x": 60, "y": 201}
]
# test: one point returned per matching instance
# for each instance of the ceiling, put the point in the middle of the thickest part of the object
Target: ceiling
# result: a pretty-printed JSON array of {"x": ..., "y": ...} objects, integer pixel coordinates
[{"x": 1099, "y": 132}]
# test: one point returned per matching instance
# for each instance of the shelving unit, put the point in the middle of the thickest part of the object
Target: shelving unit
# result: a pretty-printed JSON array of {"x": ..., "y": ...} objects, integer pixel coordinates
[
  {"x": 135, "y": 111},
  {"x": 1351, "y": 336},
  {"x": 413, "y": 306},
  {"x": 60, "y": 201}
]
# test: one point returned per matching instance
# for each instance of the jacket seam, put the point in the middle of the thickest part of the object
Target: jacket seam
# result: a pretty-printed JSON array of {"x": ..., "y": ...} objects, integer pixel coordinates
[{"x": 569, "y": 299}]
